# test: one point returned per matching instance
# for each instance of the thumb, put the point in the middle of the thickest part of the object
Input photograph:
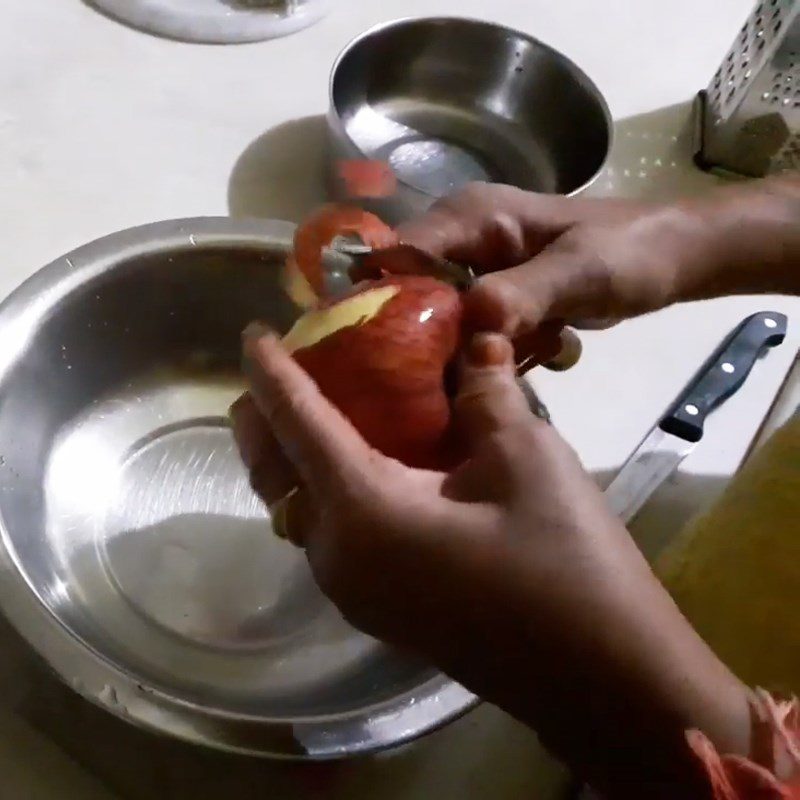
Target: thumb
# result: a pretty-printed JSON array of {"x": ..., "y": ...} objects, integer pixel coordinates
[
  {"x": 489, "y": 397},
  {"x": 517, "y": 301}
]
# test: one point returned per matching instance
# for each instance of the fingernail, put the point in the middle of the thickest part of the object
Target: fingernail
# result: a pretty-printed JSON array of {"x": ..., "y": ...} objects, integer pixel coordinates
[
  {"x": 257, "y": 330},
  {"x": 279, "y": 514},
  {"x": 489, "y": 350},
  {"x": 245, "y": 438}
]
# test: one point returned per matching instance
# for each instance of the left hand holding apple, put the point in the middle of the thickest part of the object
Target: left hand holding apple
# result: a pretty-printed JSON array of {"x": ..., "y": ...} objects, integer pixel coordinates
[
  {"x": 509, "y": 573},
  {"x": 405, "y": 553}
]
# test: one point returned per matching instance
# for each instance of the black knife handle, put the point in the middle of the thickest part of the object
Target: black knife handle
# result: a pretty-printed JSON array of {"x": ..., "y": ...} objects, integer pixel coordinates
[{"x": 723, "y": 374}]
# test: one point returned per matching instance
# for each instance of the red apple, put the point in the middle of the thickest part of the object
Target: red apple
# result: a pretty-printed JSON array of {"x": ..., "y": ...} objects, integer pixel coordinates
[{"x": 379, "y": 354}]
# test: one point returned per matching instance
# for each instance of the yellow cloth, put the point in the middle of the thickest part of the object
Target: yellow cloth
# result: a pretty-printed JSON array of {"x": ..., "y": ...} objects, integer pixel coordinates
[{"x": 735, "y": 571}]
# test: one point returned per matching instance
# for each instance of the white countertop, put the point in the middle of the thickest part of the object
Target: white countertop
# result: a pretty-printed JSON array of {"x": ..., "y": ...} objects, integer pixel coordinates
[{"x": 102, "y": 128}]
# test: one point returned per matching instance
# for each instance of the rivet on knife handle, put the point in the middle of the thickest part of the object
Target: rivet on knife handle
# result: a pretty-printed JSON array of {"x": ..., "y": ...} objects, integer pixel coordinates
[{"x": 723, "y": 374}]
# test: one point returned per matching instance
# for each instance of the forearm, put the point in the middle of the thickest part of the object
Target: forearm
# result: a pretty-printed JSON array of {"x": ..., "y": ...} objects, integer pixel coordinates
[
  {"x": 616, "y": 700},
  {"x": 659, "y": 681},
  {"x": 743, "y": 239}
]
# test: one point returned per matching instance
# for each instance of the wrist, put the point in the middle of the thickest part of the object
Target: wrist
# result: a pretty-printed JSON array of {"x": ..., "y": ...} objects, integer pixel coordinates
[{"x": 613, "y": 660}]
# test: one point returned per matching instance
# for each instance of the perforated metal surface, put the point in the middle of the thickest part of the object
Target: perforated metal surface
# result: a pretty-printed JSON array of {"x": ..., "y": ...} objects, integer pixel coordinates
[
  {"x": 788, "y": 157},
  {"x": 751, "y": 108},
  {"x": 785, "y": 89}
]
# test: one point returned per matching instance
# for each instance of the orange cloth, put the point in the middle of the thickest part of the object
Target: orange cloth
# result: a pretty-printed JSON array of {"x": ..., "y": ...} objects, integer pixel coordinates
[{"x": 775, "y": 746}]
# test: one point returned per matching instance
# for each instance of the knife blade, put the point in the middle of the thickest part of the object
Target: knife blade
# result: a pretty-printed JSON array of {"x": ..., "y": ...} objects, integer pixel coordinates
[{"x": 679, "y": 431}]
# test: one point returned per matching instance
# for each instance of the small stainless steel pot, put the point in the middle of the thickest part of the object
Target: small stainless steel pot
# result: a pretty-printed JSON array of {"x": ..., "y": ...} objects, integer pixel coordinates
[{"x": 448, "y": 101}]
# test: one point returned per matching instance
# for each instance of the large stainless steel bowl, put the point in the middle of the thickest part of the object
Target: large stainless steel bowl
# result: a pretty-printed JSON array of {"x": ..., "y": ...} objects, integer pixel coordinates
[
  {"x": 447, "y": 101},
  {"x": 134, "y": 556}
]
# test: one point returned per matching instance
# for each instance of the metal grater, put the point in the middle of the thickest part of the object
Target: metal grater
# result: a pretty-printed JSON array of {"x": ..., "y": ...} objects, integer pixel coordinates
[{"x": 748, "y": 119}]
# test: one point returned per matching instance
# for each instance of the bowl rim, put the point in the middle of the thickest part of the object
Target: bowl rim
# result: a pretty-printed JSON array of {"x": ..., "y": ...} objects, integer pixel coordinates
[
  {"x": 335, "y": 117},
  {"x": 105, "y": 682}
]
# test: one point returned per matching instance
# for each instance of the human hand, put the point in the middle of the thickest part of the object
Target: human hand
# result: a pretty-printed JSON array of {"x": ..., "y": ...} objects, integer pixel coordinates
[
  {"x": 510, "y": 573},
  {"x": 592, "y": 262},
  {"x": 431, "y": 524},
  {"x": 547, "y": 258}
]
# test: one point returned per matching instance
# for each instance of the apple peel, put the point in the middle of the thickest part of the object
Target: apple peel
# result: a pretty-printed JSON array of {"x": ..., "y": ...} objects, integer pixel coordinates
[
  {"x": 319, "y": 323},
  {"x": 328, "y": 223},
  {"x": 297, "y": 286}
]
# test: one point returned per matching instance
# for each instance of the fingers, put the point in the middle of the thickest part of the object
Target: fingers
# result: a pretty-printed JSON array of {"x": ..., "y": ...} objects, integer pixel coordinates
[
  {"x": 490, "y": 226},
  {"x": 537, "y": 339},
  {"x": 594, "y": 324},
  {"x": 249, "y": 429},
  {"x": 536, "y": 272},
  {"x": 440, "y": 232},
  {"x": 489, "y": 398},
  {"x": 486, "y": 236},
  {"x": 272, "y": 475},
  {"x": 516, "y": 301},
  {"x": 557, "y": 284},
  {"x": 315, "y": 437}
]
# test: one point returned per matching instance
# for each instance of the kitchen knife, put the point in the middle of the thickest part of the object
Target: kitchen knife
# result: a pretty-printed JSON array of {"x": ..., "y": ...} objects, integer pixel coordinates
[{"x": 679, "y": 431}]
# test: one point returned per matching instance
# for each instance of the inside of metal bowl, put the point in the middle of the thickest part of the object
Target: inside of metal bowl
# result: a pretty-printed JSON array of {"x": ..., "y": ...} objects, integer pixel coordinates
[
  {"x": 449, "y": 101},
  {"x": 125, "y": 506}
]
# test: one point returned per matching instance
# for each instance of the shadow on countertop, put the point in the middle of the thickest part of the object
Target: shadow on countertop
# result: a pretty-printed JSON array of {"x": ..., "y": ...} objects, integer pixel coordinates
[{"x": 281, "y": 175}]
